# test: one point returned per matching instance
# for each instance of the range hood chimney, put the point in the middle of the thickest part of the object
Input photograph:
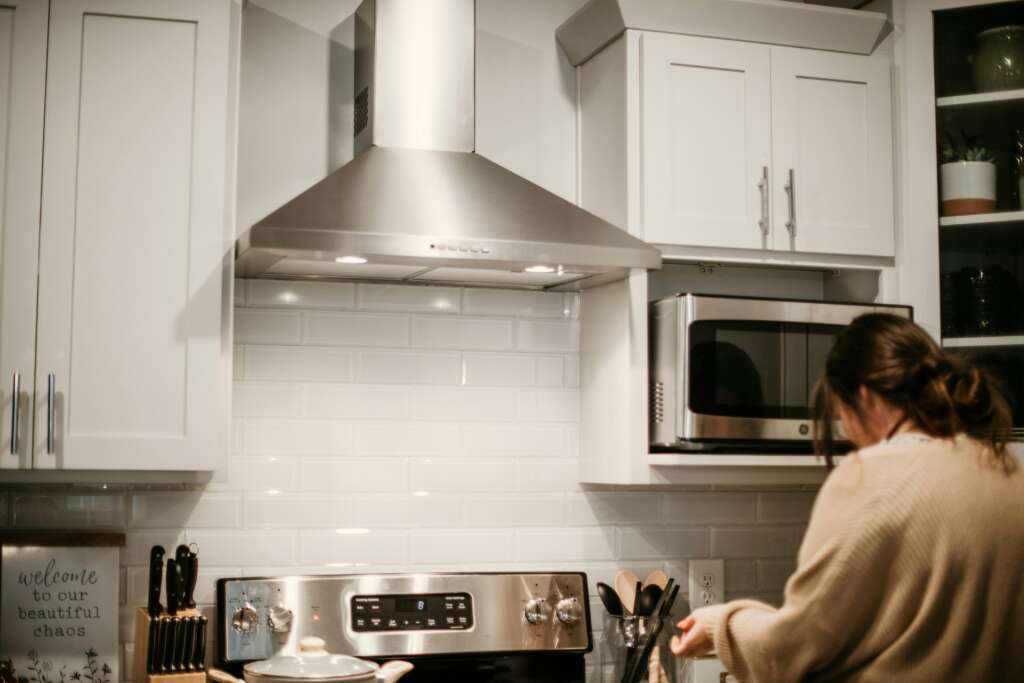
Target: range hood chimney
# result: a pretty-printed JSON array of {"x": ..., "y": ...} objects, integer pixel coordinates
[{"x": 417, "y": 204}]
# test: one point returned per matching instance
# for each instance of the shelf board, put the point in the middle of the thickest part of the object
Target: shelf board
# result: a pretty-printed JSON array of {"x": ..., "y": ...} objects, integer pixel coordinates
[
  {"x": 982, "y": 218},
  {"x": 980, "y": 98},
  {"x": 733, "y": 460},
  {"x": 974, "y": 342}
]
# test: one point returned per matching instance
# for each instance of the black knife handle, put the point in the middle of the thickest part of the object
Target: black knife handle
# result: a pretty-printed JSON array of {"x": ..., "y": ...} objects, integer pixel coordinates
[
  {"x": 174, "y": 628},
  {"x": 192, "y": 577},
  {"x": 179, "y": 651},
  {"x": 156, "y": 567},
  {"x": 173, "y": 589},
  {"x": 151, "y": 645},
  {"x": 201, "y": 644},
  {"x": 160, "y": 646}
]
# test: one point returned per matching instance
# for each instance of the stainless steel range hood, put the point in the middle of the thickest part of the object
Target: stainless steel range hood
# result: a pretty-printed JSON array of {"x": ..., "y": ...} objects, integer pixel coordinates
[{"x": 418, "y": 204}]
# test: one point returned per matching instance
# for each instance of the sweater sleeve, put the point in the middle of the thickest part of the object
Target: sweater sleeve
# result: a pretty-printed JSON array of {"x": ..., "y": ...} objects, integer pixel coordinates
[{"x": 830, "y": 602}]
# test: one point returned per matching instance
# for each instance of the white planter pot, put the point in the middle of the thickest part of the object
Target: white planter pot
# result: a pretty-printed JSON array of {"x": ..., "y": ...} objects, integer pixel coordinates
[{"x": 968, "y": 187}]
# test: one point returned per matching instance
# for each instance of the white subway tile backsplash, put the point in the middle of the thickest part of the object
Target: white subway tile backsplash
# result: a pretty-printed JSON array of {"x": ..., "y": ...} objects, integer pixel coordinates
[
  {"x": 463, "y": 403},
  {"x": 515, "y": 303},
  {"x": 661, "y": 542},
  {"x": 296, "y": 437},
  {"x": 397, "y": 437},
  {"x": 493, "y": 369},
  {"x": 514, "y": 439},
  {"x": 300, "y": 294},
  {"x": 467, "y": 549},
  {"x": 357, "y": 402},
  {"x": 401, "y": 367},
  {"x": 184, "y": 509},
  {"x": 550, "y": 371},
  {"x": 265, "y": 473},
  {"x": 550, "y": 545},
  {"x": 353, "y": 474},
  {"x": 443, "y": 474},
  {"x": 267, "y": 327},
  {"x": 264, "y": 511},
  {"x": 539, "y": 335},
  {"x": 348, "y": 549},
  {"x": 548, "y": 474},
  {"x": 600, "y": 508},
  {"x": 435, "y": 332},
  {"x": 137, "y": 544},
  {"x": 786, "y": 507},
  {"x": 572, "y": 371},
  {"x": 356, "y": 329},
  {"x": 270, "y": 399},
  {"x": 238, "y": 362},
  {"x": 375, "y": 297},
  {"x": 233, "y": 548},
  {"x": 772, "y": 575},
  {"x": 409, "y": 510},
  {"x": 754, "y": 541},
  {"x": 546, "y": 509},
  {"x": 299, "y": 364},
  {"x": 707, "y": 508},
  {"x": 740, "y": 575},
  {"x": 549, "y": 406}
]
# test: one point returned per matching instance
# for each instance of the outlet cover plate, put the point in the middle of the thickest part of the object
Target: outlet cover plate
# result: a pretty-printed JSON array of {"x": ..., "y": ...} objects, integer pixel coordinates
[{"x": 707, "y": 583}]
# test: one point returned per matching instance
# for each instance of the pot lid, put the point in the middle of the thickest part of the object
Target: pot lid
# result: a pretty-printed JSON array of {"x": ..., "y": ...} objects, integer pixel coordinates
[{"x": 313, "y": 663}]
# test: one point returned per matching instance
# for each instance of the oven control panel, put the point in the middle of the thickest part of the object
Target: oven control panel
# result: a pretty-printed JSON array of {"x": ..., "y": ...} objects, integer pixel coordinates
[
  {"x": 414, "y": 612},
  {"x": 404, "y": 615}
]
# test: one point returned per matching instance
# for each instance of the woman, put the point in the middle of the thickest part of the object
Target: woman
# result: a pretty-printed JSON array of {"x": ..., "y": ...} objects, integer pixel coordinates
[{"x": 913, "y": 561}]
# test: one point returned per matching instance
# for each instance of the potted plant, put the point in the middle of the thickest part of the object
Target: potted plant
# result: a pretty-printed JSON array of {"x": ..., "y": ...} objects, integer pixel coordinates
[{"x": 968, "y": 176}]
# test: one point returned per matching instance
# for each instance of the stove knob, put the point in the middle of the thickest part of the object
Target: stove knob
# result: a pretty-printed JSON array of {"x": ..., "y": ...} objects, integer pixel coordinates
[
  {"x": 569, "y": 611},
  {"x": 245, "y": 619},
  {"x": 279, "y": 619},
  {"x": 538, "y": 610}
]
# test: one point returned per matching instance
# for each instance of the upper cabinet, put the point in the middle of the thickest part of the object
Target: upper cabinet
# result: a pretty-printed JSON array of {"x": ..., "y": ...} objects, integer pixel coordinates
[
  {"x": 736, "y": 145},
  {"x": 132, "y": 332}
]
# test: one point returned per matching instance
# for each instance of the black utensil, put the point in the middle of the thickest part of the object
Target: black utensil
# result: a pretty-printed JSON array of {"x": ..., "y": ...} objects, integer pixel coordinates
[
  {"x": 173, "y": 587},
  {"x": 153, "y": 647},
  {"x": 649, "y": 598},
  {"x": 174, "y": 633},
  {"x": 635, "y": 673},
  {"x": 636, "y": 596},
  {"x": 192, "y": 575},
  {"x": 188, "y": 660},
  {"x": 201, "y": 651},
  {"x": 156, "y": 566},
  {"x": 610, "y": 599},
  {"x": 179, "y": 650},
  {"x": 163, "y": 635}
]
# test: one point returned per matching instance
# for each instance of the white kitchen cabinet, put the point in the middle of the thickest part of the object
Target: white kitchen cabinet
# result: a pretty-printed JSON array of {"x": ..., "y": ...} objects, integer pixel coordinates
[
  {"x": 707, "y": 144},
  {"x": 132, "y": 333},
  {"x": 832, "y": 152},
  {"x": 702, "y": 138},
  {"x": 22, "y": 84}
]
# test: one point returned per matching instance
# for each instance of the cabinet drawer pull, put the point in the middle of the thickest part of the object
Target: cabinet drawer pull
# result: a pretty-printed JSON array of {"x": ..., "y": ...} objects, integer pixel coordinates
[
  {"x": 51, "y": 385},
  {"x": 15, "y": 411},
  {"x": 762, "y": 185},
  {"x": 791, "y": 193}
]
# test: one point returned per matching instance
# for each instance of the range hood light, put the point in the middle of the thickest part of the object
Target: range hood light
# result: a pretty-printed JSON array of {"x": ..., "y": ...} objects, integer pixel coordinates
[
  {"x": 354, "y": 260},
  {"x": 540, "y": 269}
]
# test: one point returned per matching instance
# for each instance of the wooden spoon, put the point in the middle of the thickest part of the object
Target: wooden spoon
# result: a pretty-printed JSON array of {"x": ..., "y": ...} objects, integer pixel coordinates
[
  {"x": 656, "y": 578},
  {"x": 625, "y": 586}
]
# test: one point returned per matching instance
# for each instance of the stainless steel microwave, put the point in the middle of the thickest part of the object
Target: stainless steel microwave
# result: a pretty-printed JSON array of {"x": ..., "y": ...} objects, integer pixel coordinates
[{"x": 735, "y": 372}]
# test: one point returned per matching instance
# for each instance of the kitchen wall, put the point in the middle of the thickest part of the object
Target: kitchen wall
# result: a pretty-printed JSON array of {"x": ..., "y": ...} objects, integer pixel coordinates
[{"x": 410, "y": 427}]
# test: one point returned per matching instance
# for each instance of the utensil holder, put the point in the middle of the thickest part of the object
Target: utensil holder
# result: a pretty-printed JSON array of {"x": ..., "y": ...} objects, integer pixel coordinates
[
  {"x": 140, "y": 668},
  {"x": 636, "y": 650}
]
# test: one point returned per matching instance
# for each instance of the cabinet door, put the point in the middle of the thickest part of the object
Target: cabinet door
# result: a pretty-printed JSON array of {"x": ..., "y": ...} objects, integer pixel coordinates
[
  {"x": 22, "y": 82},
  {"x": 706, "y": 126},
  {"x": 832, "y": 129},
  {"x": 134, "y": 256}
]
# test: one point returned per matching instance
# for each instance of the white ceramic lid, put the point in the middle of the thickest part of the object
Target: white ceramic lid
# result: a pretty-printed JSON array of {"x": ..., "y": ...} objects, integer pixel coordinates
[{"x": 314, "y": 663}]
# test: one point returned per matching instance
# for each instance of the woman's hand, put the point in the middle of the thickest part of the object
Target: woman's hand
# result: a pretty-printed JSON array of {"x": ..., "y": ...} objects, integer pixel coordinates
[{"x": 695, "y": 640}]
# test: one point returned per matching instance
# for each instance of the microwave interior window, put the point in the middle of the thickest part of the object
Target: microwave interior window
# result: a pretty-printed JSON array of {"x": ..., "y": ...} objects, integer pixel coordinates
[{"x": 756, "y": 369}]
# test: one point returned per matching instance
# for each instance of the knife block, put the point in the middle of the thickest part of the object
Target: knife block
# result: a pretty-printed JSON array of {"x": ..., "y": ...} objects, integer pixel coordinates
[{"x": 140, "y": 674}]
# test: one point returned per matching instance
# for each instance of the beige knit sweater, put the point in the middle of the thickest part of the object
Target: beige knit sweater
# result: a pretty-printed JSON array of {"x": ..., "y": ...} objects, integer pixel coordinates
[{"x": 912, "y": 569}]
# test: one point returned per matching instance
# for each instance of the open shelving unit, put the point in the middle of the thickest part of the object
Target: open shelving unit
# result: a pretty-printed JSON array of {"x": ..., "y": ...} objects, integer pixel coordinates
[{"x": 982, "y": 255}]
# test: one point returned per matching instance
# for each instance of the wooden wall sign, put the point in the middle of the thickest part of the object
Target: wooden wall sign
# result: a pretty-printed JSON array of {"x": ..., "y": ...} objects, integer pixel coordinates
[{"x": 59, "y": 613}]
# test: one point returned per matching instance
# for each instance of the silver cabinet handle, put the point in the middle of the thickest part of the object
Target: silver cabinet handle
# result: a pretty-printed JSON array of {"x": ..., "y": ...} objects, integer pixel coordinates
[
  {"x": 51, "y": 385},
  {"x": 15, "y": 410},
  {"x": 762, "y": 185},
  {"x": 791, "y": 192}
]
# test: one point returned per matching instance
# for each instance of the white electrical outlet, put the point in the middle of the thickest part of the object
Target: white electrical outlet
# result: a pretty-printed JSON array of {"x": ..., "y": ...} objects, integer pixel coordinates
[{"x": 707, "y": 583}]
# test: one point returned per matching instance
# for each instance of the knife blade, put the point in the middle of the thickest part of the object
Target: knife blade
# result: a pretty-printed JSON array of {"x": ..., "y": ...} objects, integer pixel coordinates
[
  {"x": 156, "y": 566},
  {"x": 173, "y": 587}
]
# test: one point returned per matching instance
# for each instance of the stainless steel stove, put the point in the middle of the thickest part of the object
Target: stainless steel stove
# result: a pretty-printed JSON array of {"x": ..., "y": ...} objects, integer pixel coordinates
[{"x": 491, "y": 628}]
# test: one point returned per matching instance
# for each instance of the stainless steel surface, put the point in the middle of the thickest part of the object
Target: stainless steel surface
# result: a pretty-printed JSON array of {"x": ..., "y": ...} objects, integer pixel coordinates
[
  {"x": 537, "y": 611},
  {"x": 410, "y": 200},
  {"x": 599, "y": 22},
  {"x": 321, "y": 606},
  {"x": 244, "y": 619},
  {"x": 51, "y": 400},
  {"x": 15, "y": 410},
  {"x": 791, "y": 199},
  {"x": 762, "y": 185},
  {"x": 279, "y": 619},
  {"x": 670, "y": 322},
  {"x": 569, "y": 610}
]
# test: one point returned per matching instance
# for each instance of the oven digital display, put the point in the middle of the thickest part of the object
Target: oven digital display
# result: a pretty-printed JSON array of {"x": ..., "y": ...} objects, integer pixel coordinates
[{"x": 427, "y": 612}]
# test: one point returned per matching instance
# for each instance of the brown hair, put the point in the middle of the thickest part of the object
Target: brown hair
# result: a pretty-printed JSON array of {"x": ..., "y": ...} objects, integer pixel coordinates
[{"x": 939, "y": 394}]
